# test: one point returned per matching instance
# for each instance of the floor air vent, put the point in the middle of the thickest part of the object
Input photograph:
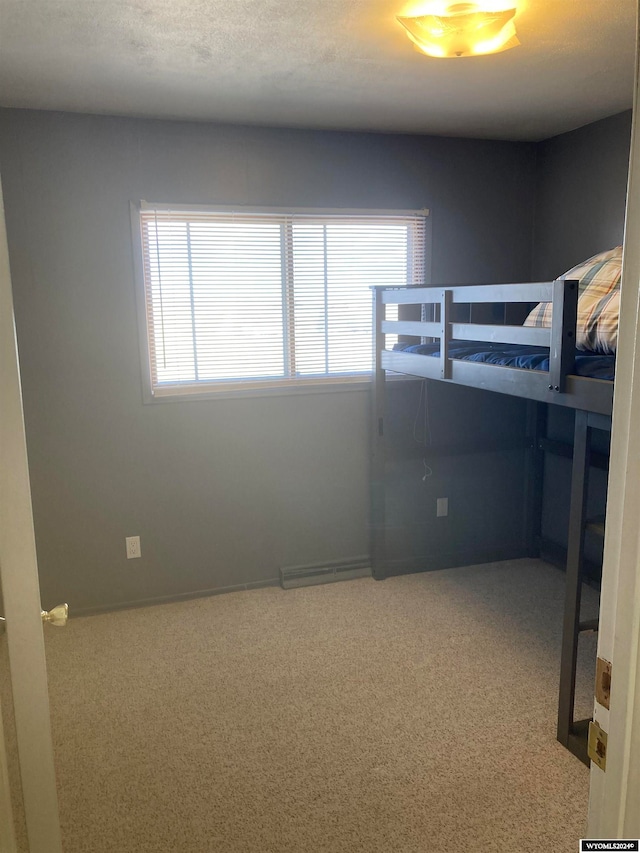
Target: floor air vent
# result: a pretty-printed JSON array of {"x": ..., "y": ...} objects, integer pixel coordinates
[{"x": 340, "y": 570}]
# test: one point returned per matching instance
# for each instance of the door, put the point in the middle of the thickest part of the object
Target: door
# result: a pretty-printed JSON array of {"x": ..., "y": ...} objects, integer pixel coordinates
[
  {"x": 615, "y": 792},
  {"x": 21, "y": 594}
]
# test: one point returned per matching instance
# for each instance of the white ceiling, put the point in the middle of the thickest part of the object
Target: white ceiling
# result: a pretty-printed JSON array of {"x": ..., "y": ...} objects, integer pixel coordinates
[{"x": 337, "y": 64}]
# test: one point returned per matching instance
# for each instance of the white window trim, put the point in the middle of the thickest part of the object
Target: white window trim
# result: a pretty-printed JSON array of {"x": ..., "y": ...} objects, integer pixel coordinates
[{"x": 181, "y": 392}]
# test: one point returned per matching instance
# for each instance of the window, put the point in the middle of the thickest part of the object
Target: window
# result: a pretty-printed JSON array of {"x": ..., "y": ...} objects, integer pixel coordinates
[{"x": 244, "y": 300}]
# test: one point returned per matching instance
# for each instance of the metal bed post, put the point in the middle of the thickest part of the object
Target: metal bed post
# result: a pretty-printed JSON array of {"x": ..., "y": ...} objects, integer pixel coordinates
[
  {"x": 563, "y": 333},
  {"x": 534, "y": 473},
  {"x": 378, "y": 452},
  {"x": 446, "y": 301},
  {"x": 570, "y": 734}
]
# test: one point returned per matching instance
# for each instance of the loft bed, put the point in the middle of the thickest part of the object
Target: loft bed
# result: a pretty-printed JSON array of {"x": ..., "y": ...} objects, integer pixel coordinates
[{"x": 539, "y": 364}]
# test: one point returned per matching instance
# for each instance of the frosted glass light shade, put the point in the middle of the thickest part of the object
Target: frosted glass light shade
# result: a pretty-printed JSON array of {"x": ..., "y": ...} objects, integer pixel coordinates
[{"x": 465, "y": 29}]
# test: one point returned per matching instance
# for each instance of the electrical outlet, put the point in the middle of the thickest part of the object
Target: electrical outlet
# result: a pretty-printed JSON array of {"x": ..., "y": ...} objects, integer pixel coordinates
[
  {"x": 442, "y": 507},
  {"x": 133, "y": 547}
]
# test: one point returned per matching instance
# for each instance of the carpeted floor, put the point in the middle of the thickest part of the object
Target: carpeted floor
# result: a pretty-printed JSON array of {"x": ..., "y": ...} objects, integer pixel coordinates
[{"x": 412, "y": 715}]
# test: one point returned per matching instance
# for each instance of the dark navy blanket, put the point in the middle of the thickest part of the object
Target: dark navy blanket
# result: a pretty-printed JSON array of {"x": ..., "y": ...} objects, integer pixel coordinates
[{"x": 514, "y": 355}]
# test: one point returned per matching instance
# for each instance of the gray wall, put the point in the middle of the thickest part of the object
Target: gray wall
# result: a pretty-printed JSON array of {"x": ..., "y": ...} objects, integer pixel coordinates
[
  {"x": 222, "y": 492},
  {"x": 581, "y": 188}
]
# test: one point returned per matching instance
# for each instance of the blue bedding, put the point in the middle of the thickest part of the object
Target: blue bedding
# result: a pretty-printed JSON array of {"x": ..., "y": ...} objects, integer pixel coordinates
[{"x": 514, "y": 355}]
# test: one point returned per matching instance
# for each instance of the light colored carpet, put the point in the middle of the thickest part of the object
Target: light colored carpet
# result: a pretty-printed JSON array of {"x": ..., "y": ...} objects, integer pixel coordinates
[{"x": 412, "y": 715}]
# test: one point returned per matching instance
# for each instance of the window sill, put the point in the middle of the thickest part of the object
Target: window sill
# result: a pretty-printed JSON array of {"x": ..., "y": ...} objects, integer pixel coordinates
[{"x": 190, "y": 393}]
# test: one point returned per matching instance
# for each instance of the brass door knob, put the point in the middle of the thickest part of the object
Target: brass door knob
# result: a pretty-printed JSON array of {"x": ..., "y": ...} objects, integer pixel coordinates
[{"x": 57, "y": 615}]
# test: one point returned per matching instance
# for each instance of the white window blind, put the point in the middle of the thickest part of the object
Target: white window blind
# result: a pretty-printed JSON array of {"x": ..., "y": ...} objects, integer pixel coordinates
[{"x": 242, "y": 299}]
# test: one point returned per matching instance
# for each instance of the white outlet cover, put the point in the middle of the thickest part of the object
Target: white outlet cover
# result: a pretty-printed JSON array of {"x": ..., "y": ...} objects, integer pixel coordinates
[
  {"x": 133, "y": 547},
  {"x": 442, "y": 507}
]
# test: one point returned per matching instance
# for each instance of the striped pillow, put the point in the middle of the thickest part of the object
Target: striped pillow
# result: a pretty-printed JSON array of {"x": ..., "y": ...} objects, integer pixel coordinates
[{"x": 598, "y": 302}]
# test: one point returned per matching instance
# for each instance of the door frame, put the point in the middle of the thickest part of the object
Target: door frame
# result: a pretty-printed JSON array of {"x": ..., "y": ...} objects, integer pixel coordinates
[
  {"x": 21, "y": 590},
  {"x": 615, "y": 792}
]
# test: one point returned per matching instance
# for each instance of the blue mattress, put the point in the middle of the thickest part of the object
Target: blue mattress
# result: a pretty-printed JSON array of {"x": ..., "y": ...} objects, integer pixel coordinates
[{"x": 514, "y": 355}]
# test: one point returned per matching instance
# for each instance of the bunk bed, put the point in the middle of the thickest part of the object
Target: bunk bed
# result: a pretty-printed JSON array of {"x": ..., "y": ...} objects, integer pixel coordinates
[{"x": 537, "y": 362}]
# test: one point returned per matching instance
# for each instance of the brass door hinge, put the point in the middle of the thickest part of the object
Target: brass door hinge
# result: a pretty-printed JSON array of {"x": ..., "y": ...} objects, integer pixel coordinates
[
  {"x": 603, "y": 682},
  {"x": 597, "y": 745}
]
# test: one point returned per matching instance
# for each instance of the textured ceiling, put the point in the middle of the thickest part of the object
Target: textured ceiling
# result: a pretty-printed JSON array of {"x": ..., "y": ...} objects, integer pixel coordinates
[{"x": 338, "y": 64}]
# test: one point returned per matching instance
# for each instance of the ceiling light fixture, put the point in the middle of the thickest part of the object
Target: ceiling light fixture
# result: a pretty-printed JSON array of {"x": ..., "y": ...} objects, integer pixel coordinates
[{"x": 463, "y": 29}]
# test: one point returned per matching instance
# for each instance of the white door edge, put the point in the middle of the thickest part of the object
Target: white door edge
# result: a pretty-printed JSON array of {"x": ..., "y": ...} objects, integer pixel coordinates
[
  {"x": 615, "y": 793},
  {"x": 21, "y": 592}
]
